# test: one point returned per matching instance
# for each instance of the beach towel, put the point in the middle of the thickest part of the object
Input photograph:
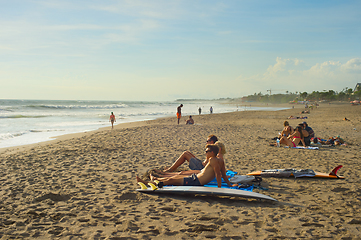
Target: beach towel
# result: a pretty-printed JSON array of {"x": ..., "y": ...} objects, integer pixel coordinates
[{"x": 301, "y": 147}]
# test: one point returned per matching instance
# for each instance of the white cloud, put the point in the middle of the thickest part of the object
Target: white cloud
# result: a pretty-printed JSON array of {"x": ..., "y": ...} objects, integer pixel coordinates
[
  {"x": 283, "y": 67},
  {"x": 324, "y": 69},
  {"x": 293, "y": 75},
  {"x": 353, "y": 65}
]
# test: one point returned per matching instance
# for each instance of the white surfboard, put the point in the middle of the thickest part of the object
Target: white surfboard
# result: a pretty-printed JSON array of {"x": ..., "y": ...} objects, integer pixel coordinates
[
  {"x": 207, "y": 191},
  {"x": 242, "y": 179}
]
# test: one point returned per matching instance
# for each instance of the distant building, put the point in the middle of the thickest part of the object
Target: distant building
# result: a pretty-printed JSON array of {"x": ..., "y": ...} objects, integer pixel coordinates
[{"x": 358, "y": 86}]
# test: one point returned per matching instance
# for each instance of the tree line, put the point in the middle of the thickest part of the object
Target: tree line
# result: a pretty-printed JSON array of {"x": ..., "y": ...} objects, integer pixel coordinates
[{"x": 347, "y": 94}]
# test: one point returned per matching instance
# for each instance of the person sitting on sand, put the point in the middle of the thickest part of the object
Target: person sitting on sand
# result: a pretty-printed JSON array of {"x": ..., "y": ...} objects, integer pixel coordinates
[
  {"x": 306, "y": 136},
  {"x": 209, "y": 172},
  {"x": 293, "y": 139},
  {"x": 287, "y": 130},
  {"x": 194, "y": 163},
  {"x": 163, "y": 174},
  {"x": 190, "y": 120},
  {"x": 308, "y": 133}
]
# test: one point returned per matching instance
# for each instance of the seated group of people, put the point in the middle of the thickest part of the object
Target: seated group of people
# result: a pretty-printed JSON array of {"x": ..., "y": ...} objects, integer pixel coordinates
[
  {"x": 301, "y": 135},
  {"x": 201, "y": 173}
]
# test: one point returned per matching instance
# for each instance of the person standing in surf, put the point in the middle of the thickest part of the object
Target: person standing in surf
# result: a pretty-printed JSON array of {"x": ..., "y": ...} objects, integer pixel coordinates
[
  {"x": 179, "y": 112},
  {"x": 112, "y": 119}
]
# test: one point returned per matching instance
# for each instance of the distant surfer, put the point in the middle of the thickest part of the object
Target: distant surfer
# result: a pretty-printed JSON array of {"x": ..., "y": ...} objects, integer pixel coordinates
[
  {"x": 211, "y": 109},
  {"x": 112, "y": 119},
  {"x": 179, "y": 112}
]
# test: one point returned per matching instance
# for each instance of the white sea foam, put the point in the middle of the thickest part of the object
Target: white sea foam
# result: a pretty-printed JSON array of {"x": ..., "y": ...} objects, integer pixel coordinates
[{"x": 30, "y": 121}]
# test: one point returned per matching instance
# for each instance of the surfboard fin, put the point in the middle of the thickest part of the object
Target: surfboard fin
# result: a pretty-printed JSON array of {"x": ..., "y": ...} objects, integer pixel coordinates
[
  {"x": 142, "y": 185},
  {"x": 334, "y": 171},
  {"x": 153, "y": 186}
]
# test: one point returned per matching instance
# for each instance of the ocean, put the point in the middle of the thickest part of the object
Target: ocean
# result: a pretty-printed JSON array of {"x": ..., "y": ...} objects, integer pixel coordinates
[{"x": 31, "y": 121}]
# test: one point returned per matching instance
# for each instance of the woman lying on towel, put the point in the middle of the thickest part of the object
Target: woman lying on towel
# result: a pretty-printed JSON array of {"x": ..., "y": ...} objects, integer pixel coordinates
[
  {"x": 331, "y": 141},
  {"x": 293, "y": 139},
  {"x": 292, "y": 117}
]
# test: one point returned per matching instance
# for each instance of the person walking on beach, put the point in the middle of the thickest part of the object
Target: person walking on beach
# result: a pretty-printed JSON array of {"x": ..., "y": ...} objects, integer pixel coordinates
[
  {"x": 112, "y": 119},
  {"x": 211, "y": 110},
  {"x": 199, "y": 110},
  {"x": 179, "y": 112}
]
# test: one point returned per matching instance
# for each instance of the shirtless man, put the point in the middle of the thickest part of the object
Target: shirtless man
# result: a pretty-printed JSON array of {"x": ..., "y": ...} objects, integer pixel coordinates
[
  {"x": 161, "y": 175},
  {"x": 190, "y": 120},
  {"x": 179, "y": 112},
  {"x": 307, "y": 132},
  {"x": 112, "y": 119},
  {"x": 194, "y": 163},
  {"x": 209, "y": 172}
]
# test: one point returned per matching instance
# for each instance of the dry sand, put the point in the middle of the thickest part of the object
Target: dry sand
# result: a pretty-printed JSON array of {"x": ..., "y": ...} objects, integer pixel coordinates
[{"x": 83, "y": 187}]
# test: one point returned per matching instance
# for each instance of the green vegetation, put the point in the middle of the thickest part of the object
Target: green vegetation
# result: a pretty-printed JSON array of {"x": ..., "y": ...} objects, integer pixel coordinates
[{"x": 347, "y": 94}]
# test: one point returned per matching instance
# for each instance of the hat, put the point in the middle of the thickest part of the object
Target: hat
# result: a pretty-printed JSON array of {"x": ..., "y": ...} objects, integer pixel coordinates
[{"x": 304, "y": 123}]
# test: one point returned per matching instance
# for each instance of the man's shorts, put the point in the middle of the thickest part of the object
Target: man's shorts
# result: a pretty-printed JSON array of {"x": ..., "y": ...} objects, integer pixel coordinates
[
  {"x": 195, "y": 164},
  {"x": 307, "y": 141},
  {"x": 192, "y": 180},
  {"x": 179, "y": 115}
]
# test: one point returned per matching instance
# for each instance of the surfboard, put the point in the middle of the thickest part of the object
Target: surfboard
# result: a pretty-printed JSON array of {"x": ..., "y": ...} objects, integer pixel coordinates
[
  {"x": 291, "y": 172},
  {"x": 211, "y": 191}
]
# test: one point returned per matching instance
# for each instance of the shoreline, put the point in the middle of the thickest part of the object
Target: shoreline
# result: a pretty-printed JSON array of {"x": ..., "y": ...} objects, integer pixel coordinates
[
  {"x": 56, "y": 139},
  {"x": 64, "y": 137}
]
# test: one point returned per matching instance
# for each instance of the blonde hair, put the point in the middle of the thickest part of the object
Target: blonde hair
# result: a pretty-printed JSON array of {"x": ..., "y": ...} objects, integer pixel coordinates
[
  {"x": 222, "y": 147},
  {"x": 214, "y": 148}
]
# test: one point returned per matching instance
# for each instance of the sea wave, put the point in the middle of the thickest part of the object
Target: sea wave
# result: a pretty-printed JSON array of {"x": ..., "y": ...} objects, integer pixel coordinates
[
  {"x": 5, "y": 136},
  {"x": 42, "y": 106},
  {"x": 22, "y": 116}
]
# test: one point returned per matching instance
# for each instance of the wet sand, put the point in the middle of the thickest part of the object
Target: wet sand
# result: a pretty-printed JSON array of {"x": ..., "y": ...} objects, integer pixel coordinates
[{"x": 83, "y": 186}]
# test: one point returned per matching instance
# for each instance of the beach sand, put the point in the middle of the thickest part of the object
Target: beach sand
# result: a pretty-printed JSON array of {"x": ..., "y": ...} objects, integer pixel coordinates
[{"x": 83, "y": 186}]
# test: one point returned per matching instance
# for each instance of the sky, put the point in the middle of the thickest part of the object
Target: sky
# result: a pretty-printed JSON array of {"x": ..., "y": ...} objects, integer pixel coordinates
[{"x": 163, "y": 50}]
